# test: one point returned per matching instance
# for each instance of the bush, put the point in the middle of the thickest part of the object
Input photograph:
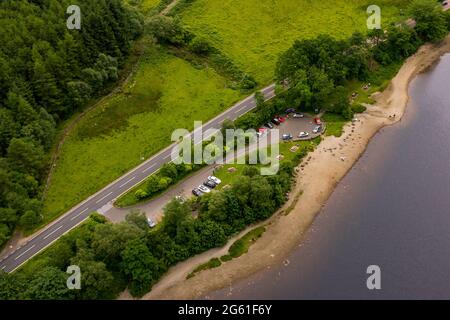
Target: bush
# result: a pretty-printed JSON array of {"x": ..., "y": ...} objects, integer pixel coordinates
[
  {"x": 30, "y": 219},
  {"x": 164, "y": 183},
  {"x": 169, "y": 170},
  {"x": 168, "y": 30},
  {"x": 200, "y": 46},
  {"x": 359, "y": 108},
  {"x": 140, "y": 194}
]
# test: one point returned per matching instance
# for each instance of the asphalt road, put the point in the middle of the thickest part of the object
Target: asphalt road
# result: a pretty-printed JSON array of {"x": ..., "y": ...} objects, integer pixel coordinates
[{"x": 102, "y": 201}]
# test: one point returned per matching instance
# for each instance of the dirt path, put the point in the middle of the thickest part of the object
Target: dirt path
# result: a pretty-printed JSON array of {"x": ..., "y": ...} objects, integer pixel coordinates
[
  {"x": 333, "y": 158},
  {"x": 169, "y": 7}
]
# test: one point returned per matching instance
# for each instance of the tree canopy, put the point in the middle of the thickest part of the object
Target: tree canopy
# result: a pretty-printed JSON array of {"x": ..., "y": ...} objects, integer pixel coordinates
[{"x": 46, "y": 73}]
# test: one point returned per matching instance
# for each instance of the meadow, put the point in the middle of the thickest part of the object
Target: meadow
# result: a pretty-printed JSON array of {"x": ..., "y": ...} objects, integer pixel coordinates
[
  {"x": 168, "y": 93},
  {"x": 165, "y": 93},
  {"x": 145, "y": 6},
  {"x": 285, "y": 150},
  {"x": 253, "y": 33}
]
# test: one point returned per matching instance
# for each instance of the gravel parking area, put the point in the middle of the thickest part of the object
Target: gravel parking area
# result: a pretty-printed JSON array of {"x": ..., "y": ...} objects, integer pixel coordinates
[
  {"x": 154, "y": 208},
  {"x": 296, "y": 125}
]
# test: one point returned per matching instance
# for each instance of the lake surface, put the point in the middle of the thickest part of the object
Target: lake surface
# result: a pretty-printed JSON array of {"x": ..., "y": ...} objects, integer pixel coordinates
[{"x": 391, "y": 210}]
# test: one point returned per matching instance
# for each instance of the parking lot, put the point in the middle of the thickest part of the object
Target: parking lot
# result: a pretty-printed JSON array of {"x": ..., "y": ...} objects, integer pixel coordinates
[
  {"x": 154, "y": 208},
  {"x": 294, "y": 126}
]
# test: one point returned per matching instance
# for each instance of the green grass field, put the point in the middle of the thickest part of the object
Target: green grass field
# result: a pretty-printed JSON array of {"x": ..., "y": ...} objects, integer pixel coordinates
[
  {"x": 165, "y": 94},
  {"x": 144, "y": 5},
  {"x": 228, "y": 178},
  {"x": 254, "y": 32}
]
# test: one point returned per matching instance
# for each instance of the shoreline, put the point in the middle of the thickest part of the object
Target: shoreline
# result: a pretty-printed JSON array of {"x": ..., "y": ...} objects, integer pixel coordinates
[{"x": 333, "y": 158}]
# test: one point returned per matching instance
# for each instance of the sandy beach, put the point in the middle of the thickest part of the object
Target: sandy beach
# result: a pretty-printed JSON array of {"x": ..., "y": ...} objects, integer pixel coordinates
[{"x": 333, "y": 158}]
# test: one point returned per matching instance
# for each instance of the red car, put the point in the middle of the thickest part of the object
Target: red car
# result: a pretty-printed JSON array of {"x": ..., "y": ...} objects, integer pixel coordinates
[
  {"x": 281, "y": 119},
  {"x": 317, "y": 121}
]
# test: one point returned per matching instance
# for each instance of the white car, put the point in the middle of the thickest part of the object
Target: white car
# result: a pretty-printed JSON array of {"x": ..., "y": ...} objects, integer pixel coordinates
[
  {"x": 215, "y": 179},
  {"x": 317, "y": 129},
  {"x": 151, "y": 223},
  {"x": 298, "y": 115},
  {"x": 204, "y": 189},
  {"x": 303, "y": 134}
]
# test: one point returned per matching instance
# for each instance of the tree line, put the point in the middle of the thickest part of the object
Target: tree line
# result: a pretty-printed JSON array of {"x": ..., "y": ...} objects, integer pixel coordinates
[
  {"x": 47, "y": 72},
  {"x": 130, "y": 255},
  {"x": 317, "y": 70}
]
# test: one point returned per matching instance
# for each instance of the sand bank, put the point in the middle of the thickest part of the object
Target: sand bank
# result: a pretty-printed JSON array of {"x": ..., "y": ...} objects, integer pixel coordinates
[{"x": 333, "y": 158}]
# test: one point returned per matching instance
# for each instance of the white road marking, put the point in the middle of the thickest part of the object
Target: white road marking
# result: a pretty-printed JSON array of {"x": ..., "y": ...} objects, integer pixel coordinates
[
  {"x": 24, "y": 252},
  {"x": 3, "y": 268},
  {"x": 103, "y": 210},
  {"x": 52, "y": 232},
  {"x": 244, "y": 107},
  {"x": 149, "y": 168},
  {"x": 99, "y": 200},
  {"x": 127, "y": 182},
  {"x": 73, "y": 218}
]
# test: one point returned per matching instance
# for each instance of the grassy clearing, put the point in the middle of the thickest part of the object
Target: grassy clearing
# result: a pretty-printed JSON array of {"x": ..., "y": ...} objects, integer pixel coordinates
[
  {"x": 166, "y": 93},
  {"x": 242, "y": 245},
  {"x": 254, "y": 32},
  {"x": 211, "y": 264},
  {"x": 144, "y": 5},
  {"x": 335, "y": 124},
  {"x": 237, "y": 249},
  {"x": 379, "y": 80},
  {"x": 229, "y": 178}
]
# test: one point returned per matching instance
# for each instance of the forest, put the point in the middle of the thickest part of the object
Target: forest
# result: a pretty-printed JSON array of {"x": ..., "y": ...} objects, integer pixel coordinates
[{"x": 48, "y": 72}]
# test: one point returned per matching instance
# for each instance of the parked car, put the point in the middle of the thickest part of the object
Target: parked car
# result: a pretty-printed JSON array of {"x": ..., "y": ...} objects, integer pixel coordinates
[
  {"x": 196, "y": 192},
  {"x": 287, "y": 136},
  {"x": 215, "y": 179},
  {"x": 290, "y": 110},
  {"x": 317, "y": 129},
  {"x": 269, "y": 125},
  {"x": 281, "y": 119},
  {"x": 276, "y": 121},
  {"x": 317, "y": 121},
  {"x": 303, "y": 134},
  {"x": 261, "y": 132},
  {"x": 204, "y": 189},
  {"x": 151, "y": 223},
  {"x": 298, "y": 115},
  {"x": 210, "y": 184}
]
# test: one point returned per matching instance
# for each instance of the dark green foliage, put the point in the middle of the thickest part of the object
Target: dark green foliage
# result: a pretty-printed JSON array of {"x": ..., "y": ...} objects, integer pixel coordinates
[
  {"x": 138, "y": 219},
  {"x": 314, "y": 68},
  {"x": 168, "y": 30},
  {"x": 431, "y": 22},
  {"x": 114, "y": 256},
  {"x": 12, "y": 286},
  {"x": 140, "y": 266},
  {"x": 46, "y": 72},
  {"x": 48, "y": 284},
  {"x": 398, "y": 43}
]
